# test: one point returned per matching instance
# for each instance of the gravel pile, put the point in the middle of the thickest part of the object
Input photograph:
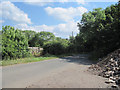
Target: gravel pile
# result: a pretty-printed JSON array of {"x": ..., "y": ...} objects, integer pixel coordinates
[{"x": 109, "y": 67}]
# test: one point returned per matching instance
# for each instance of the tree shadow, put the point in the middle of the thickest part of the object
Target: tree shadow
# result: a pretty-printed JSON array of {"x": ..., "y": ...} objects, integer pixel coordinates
[{"x": 79, "y": 59}]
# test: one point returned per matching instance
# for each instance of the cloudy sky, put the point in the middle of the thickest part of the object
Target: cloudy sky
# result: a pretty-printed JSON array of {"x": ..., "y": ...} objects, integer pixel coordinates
[{"x": 58, "y": 17}]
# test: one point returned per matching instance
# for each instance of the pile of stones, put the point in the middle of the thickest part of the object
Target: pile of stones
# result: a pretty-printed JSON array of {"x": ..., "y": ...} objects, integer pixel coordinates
[{"x": 109, "y": 67}]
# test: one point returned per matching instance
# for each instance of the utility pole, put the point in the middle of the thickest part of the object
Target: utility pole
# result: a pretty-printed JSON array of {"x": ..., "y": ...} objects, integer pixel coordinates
[{"x": 72, "y": 36}]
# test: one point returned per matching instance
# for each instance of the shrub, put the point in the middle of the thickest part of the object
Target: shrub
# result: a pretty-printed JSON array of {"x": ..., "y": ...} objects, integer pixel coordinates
[
  {"x": 57, "y": 47},
  {"x": 14, "y": 43}
]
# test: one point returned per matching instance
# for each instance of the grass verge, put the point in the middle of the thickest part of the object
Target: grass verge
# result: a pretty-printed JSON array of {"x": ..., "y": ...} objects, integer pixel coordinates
[
  {"x": 24, "y": 60},
  {"x": 31, "y": 59}
]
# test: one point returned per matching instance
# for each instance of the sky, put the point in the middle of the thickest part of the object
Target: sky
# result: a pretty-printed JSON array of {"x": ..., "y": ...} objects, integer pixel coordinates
[{"x": 60, "y": 17}]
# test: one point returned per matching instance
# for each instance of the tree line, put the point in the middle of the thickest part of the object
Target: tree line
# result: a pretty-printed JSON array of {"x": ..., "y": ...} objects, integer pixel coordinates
[
  {"x": 15, "y": 43},
  {"x": 98, "y": 34},
  {"x": 99, "y": 31}
]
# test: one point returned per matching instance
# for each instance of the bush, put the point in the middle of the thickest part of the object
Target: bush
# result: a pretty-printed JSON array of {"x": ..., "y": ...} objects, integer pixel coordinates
[
  {"x": 14, "y": 43},
  {"x": 56, "y": 47}
]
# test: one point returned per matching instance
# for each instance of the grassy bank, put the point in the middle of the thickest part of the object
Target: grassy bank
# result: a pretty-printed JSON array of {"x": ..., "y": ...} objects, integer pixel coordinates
[
  {"x": 31, "y": 59},
  {"x": 25, "y": 60}
]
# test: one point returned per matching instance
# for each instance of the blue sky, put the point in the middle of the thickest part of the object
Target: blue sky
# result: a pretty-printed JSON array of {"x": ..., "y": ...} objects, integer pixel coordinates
[{"x": 59, "y": 18}]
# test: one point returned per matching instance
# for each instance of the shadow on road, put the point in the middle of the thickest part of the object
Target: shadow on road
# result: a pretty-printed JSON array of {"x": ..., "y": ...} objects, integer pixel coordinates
[{"x": 79, "y": 59}]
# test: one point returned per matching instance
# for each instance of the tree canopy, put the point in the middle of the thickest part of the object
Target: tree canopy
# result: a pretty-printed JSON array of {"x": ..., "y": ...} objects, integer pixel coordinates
[
  {"x": 99, "y": 30},
  {"x": 14, "y": 43},
  {"x": 40, "y": 38}
]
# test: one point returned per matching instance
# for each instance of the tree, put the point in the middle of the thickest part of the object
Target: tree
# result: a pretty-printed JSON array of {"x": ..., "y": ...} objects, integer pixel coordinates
[
  {"x": 29, "y": 34},
  {"x": 14, "y": 43},
  {"x": 41, "y": 38},
  {"x": 99, "y": 30},
  {"x": 56, "y": 47}
]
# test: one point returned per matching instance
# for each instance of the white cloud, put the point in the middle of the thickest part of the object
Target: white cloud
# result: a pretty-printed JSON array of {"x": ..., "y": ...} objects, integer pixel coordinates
[
  {"x": 77, "y": 1},
  {"x": 63, "y": 30},
  {"x": 2, "y": 21},
  {"x": 38, "y": 2},
  {"x": 48, "y": 2},
  {"x": 80, "y": 1},
  {"x": 9, "y": 11},
  {"x": 35, "y": 28},
  {"x": 67, "y": 27},
  {"x": 66, "y": 14}
]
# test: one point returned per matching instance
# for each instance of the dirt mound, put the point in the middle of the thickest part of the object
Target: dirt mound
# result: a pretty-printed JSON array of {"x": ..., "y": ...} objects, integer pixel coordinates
[{"x": 109, "y": 67}]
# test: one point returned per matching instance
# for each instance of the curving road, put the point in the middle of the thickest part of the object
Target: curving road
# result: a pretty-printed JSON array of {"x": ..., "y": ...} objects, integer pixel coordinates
[{"x": 49, "y": 73}]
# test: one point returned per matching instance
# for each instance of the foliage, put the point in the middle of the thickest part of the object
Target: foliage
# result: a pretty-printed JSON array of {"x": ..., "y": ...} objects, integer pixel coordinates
[
  {"x": 29, "y": 34},
  {"x": 56, "y": 47},
  {"x": 99, "y": 34},
  {"x": 99, "y": 31},
  {"x": 14, "y": 43},
  {"x": 40, "y": 38},
  {"x": 25, "y": 60}
]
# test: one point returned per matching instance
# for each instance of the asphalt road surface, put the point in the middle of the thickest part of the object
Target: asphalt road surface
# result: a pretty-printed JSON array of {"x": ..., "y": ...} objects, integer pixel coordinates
[{"x": 44, "y": 73}]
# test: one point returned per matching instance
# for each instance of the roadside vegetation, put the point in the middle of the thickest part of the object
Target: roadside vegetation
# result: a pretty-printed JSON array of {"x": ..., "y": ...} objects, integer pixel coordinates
[
  {"x": 25, "y": 60},
  {"x": 98, "y": 35},
  {"x": 31, "y": 59},
  {"x": 99, "y": 31}
]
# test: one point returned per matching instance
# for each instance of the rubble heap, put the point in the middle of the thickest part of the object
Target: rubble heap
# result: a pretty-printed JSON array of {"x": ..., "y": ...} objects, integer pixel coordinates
[{"x": 109, "y": 67}]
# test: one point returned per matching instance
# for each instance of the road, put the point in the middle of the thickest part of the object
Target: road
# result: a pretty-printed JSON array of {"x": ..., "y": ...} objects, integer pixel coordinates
[{"x": 49, "y": 73}]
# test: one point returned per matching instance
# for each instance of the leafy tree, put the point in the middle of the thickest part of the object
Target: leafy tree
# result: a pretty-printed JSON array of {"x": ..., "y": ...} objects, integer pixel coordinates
[
  {"x": 56, "y": 47},
  {"x": 14, "y": 43},
  {"x": 99, "y": 31},
  {"x": 40, "y": 38},
  {"x": 29, "y": 34}
]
